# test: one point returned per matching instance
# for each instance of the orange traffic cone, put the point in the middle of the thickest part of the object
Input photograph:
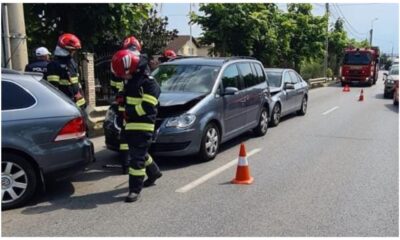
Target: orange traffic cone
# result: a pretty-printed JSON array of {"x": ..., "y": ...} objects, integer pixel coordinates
[
  {"x": 243, "y": 171},
  {"x": 346, "y": 88},
  {"x": 361, "y": 98}
]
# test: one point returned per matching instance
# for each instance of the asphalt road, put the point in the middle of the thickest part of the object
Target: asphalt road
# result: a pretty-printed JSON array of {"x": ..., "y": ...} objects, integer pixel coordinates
[{"x": 333, "y": 172}]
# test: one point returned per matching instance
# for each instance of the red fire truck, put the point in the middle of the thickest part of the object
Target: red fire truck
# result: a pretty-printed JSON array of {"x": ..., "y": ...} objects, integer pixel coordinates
[{"x": 360, "y": 65}]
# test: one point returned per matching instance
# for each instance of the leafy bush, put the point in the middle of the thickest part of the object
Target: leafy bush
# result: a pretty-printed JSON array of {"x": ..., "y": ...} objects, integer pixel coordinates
[{"x": 312, "y": 69}]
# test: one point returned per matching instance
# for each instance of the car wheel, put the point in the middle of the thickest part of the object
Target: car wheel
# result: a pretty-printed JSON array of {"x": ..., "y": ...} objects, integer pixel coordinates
[
  {"x": 276, "y": 115},
  {"x": 343, "y": 84},
  {"x": 303, "y": 109},
  {"x": 395, "y": 102},
  {"x": 209, "y": 143},
  {"x": 18, "y": 181},
  {"x": 262, "y": 126}
]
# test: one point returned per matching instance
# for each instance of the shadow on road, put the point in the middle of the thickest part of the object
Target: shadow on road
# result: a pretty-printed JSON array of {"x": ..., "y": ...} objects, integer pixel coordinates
[
  {"x": 379, "y": 96},
  {"x": 392, "y": 107},
  {"x": 90, "y": 201}
]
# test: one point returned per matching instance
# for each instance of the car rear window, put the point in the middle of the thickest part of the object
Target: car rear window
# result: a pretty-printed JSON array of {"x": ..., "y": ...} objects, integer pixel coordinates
[{"x": 15, "y": 97}]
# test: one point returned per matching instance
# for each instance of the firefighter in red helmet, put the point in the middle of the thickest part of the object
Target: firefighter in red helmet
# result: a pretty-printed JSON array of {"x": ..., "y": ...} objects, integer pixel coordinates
[
  {"x": 117, "y": 85},
  {"x": 63, "y": 71},
  {"x": 141, "y": 94},
  {"x": 167, "y": 56}
]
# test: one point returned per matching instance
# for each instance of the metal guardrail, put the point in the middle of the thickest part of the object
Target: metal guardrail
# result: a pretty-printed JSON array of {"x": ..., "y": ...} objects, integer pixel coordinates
[{"x": 317, "y": 80}]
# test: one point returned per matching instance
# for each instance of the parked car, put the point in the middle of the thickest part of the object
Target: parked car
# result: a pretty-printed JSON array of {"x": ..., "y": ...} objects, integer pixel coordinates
[
  {"x": 203, "y": 103},
  {"x": 390, "y": 81},
  {"x": 43, "y": 136},
  {"x": 289, "y": 93},
  {"x": 396, "y": 94}
]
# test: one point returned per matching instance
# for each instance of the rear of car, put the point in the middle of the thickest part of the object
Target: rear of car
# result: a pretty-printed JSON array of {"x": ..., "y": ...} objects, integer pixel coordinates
[{"x": 43, "y": 137}]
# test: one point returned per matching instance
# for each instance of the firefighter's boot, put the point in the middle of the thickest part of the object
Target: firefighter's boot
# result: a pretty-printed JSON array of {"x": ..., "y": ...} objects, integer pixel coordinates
[{"x": 132, "y": 197}]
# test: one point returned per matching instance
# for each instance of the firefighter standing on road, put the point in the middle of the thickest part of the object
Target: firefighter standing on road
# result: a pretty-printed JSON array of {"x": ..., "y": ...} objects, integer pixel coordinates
[
  {"x": 141, "y": 100},
  {"x": 41, "y": 62},
  {"x": 117, "y": 85},
  {"x": 63, "y": 71}
]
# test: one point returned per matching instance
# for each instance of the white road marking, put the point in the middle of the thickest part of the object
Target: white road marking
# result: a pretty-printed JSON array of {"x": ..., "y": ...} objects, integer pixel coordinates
[
  {"x": 330, "y": 110},
  {"x": 213, "y": 173}
]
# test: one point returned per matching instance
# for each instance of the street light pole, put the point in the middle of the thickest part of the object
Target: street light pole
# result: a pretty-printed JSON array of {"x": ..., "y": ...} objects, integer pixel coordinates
[{"x": 371, "y": 31}]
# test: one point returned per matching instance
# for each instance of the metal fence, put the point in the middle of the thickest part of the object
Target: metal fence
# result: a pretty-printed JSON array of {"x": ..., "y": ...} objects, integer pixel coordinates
[{"x": 103, "y": 76}]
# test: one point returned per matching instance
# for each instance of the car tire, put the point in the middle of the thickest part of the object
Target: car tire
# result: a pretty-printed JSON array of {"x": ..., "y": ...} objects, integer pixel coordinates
[
  {"x": 276, "y": 115},
  {"x": 18, "y": 180},
  {"x": 262, "y": 126},
  {"x": 395, "y": 103},
  {"x": 303, "y": 108},
  {"x": 209, "y": 143},
  {"x": 385, "y": 95},
  {"x": 343, "y": 84}
]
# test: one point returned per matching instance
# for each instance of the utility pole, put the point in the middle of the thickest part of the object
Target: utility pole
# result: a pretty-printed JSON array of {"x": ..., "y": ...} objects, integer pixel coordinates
[
  {"x": 371, "y": 31},
  {"x": 190, "y": 28},
  {"x": 6, "y": 56},
  {"x": 326, "y": 42},
  {"x": 18, "y": 46}
]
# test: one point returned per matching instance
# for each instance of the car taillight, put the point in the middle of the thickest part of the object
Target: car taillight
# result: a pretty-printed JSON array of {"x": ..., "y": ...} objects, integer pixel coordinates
[{"x": 74, "y": 129}]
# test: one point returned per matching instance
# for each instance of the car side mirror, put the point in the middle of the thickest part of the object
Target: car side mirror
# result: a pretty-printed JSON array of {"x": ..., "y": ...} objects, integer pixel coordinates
[
  {"x": 230, "y": 91},
  {"x": 288, "y": 86}
]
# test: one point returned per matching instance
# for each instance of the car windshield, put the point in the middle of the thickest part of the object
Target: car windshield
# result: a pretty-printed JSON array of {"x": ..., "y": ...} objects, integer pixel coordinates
[
  {"x": 394, "y": 70},
  {"x": 274, "y": 78},
  {"x": 357, "y": 58},
  {"x": 186, "y": 78}
]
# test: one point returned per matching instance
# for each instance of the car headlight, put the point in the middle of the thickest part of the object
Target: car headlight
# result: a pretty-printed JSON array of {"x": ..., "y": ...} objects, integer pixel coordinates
[
  {"x": 390, "y": 82},
  {"x": 181, "y": 121}
]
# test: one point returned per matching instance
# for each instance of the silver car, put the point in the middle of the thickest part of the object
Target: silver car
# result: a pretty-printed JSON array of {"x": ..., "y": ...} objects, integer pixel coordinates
[
  {"x": 289, "y": 93},
  {"x": 43, "y": 136},
  {"x": 390, "y": 81}
]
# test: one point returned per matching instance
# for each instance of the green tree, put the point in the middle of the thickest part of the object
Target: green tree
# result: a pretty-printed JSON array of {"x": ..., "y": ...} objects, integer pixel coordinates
[
  {"x": 307, "y": 34},
  {"x": 97, "y": 25},
  {"x": 155, "y": 35},
  {"x": 338, "y": 41}
]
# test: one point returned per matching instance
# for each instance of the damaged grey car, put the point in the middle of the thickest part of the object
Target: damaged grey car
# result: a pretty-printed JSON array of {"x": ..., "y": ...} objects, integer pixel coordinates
[{"x": 204, "y": 102}]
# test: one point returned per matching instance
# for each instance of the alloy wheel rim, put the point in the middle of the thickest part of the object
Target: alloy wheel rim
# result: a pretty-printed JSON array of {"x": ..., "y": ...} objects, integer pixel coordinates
[
  {"x": 264, "y": 121},
  {"x": 211, "y": 141},
  {"x": 14, "y": 182},
  {"x": 277, "y": 114},
  {"x": 304, "y": 105}
]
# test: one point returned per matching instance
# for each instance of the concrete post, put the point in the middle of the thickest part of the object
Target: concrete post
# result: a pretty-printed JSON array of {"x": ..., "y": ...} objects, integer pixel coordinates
[
  {"x": 19, "y": 51},
  {"x": 88, "y": 76}
]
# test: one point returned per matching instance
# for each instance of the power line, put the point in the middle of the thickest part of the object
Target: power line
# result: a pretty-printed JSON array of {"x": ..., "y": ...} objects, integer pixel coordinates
[{"x": 351, "y": 26}]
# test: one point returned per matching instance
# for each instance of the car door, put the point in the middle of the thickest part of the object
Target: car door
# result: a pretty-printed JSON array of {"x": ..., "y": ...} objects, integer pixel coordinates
[
  {"x": 252, "y": 92},
  {"x": 299, "y": 91},
  {"x": 288, "y": 95},
  {"x": 233, "y": 105}
]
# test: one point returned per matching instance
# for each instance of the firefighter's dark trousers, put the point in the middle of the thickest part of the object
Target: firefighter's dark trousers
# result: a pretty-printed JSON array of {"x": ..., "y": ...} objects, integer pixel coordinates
[{"x": 141, "y": 163}]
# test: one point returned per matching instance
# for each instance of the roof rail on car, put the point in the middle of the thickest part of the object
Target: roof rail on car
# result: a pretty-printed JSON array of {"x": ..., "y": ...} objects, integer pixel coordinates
[{"x": 238, "y": 57}]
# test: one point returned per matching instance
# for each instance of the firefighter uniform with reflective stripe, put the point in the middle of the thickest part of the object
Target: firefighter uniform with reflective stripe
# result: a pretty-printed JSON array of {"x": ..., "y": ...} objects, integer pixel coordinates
[
  {"x": 141, "y": 100},
  {"x": 117, "y": 86},
  {"x": 63, "y": 73}
]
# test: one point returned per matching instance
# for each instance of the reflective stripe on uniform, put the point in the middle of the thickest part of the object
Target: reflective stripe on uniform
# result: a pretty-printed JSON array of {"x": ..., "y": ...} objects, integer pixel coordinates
[
  {"x": 148, "y": 161},
  {"x": 139, "y": 110},
  {"x": 140, "y": 126},
  {"x": 123, "y": 146},
  {"x": 80, "y": 102},
  {"x": 137, "y": 172},
  {"x": 74, "y": 80},
  {"x": 65, "y": 82},
  {"x": 150, "y": 99},
  {"x": 120, "y": 86},
  {"x": 121, "y": 109},
  {"x": 53, "y": 78},
  {"x": 113, "y": 83},
  {"x": 133, "y": 100}
]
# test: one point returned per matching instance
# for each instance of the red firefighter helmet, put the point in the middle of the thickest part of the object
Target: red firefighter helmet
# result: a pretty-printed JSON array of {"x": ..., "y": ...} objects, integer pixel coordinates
[
  {"x": 131, "y": 43},
  {"x": 69, "y": 41},
  {"x": 124, "y": 63},
  {"x": 170, "y": 54}
]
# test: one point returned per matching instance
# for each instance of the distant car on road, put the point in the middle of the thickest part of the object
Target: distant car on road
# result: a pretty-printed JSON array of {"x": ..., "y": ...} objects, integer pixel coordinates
[
  {"x": 289, "y": 93},
  {"x": 390, "y": 81},
  {"x": 43, "y": 136},
  {"x": 203, "y": 103},
  {"x": 396, "y": 94}
]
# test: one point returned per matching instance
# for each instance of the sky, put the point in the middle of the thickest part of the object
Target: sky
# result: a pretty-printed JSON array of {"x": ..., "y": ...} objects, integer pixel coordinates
[{"x": 358, "y": 17}]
